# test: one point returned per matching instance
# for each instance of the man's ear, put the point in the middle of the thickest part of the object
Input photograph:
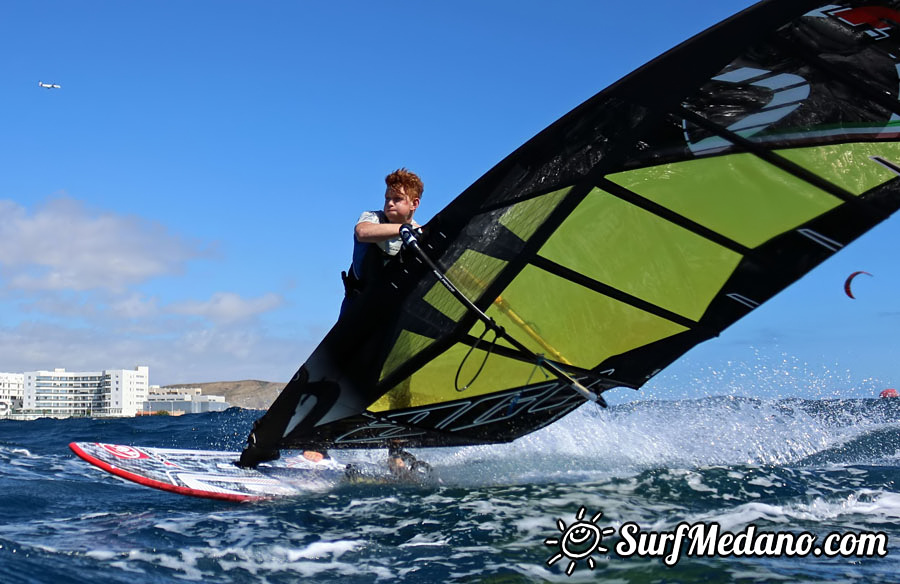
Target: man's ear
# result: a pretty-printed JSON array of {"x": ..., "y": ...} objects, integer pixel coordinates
[{"x": 414, "y": 204}]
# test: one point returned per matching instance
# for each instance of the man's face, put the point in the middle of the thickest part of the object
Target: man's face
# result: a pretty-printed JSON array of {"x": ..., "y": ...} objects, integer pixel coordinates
[{"x": 397, "y": 207}]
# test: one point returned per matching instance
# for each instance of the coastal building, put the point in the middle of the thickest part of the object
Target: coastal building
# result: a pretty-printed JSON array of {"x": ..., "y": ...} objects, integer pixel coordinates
[
  {"x": 12, "y": 391},
  {"x": 183, "y": 400},
  {"x": 60, "y": 393}
]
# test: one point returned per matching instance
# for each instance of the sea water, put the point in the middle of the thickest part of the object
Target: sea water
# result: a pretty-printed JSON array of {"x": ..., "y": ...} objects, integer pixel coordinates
[{"x": 788, "y": 466}]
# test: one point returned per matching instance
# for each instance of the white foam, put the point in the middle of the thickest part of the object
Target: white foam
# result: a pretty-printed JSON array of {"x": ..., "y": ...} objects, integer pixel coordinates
[
  {"x": 696, "y": 483},
  {"x": 185, "y": 562},
  {"x": 593, "y": 444},
  {"x": 874, "y": 507},
  {"x": 761, "y": 482},
  {"x": 426, "y": 540},
  {"x": 320, "y": 549},
  {"x": 368, "y": 503},
  {"x": 307, "y": 561},
  {"x": 102, "y": 555}
]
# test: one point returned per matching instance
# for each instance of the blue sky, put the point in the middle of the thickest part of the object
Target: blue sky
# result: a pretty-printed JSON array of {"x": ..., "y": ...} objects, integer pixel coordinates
[{"x": 186, "y": 199}]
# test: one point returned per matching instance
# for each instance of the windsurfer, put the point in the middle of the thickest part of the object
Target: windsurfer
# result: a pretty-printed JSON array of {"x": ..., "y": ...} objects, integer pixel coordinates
[
  {"x": 376, "y": 240},
  {"x": 376, "y": 237}
]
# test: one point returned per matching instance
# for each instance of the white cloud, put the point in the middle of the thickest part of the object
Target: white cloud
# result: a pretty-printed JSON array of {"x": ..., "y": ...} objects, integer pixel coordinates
[
  {"x": 70, "y": 296},
  {"x": 181, "y": 355},
  {"x": 64, "y": 246},
  {"x": 228, "y": 307},
  {"x": 101, "y": 308},
  {"x": 133, "y": 306}
]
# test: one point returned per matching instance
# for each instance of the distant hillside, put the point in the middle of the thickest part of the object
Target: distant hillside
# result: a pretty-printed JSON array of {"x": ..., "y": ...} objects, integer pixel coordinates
[{"x": 250, "y": 393}]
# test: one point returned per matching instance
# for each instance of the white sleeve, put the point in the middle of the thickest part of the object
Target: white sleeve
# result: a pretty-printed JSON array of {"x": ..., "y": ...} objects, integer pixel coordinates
[{"x": 369, "y": 217}]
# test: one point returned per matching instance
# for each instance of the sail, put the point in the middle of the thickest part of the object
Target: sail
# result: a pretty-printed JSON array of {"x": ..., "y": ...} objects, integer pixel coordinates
[{"x": 642, "y": 223}]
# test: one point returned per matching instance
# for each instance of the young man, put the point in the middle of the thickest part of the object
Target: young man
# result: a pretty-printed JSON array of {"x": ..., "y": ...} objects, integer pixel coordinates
[{"x": 376, "y": 237}]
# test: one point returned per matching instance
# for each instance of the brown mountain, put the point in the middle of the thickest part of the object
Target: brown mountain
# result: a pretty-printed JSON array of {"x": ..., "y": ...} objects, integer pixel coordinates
[{"x": 250, "y": 393}]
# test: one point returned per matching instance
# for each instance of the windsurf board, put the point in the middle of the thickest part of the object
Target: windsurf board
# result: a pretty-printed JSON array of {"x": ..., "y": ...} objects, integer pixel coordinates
[{"x": 213, "y": 474}]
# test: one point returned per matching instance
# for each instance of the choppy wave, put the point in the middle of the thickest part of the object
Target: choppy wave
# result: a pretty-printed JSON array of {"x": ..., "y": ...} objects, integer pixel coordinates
[
  {"x": 690, "y": 434},
  {"x": 816, "y": 465}
]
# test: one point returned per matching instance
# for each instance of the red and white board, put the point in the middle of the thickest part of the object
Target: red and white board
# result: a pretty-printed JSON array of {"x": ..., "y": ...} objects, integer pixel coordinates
[{"x": 209, "y": 473}]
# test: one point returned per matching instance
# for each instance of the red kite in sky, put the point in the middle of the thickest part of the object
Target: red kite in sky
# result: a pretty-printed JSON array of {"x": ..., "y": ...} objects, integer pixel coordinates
[{"x": 850, "y": 280}]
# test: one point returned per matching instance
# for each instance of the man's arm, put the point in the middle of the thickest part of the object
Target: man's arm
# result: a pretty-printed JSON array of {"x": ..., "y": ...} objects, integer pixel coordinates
[{"x": 374, "y": 232}]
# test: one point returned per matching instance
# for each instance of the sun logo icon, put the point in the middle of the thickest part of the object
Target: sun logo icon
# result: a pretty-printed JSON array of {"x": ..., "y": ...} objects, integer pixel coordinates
[{"x": 579, "y": 541}]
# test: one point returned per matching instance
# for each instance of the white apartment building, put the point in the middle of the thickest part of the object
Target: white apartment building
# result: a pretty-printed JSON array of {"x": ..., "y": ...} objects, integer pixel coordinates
[
  {"x": 61, "y": 393},
  {"x": 12, "y": 392},
  {"x": 183, "y": 400}
]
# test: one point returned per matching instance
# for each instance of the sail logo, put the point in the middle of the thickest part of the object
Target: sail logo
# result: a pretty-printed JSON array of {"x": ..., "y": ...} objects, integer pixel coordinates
[
  {"x": 786, "y": 92},
  {"x": 127, "y": 452},
  {"x": 879, "y": 20}
]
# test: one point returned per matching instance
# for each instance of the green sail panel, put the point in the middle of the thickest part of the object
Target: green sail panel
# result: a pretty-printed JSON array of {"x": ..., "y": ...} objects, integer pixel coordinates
[
  {"x": 407, "y": 345},
  {"x": 526, "y": 217},
  {"x": 583, "y": 326},
  {"x": 472, "y": 273},
  {"x": 739, "y": 196},
  {"x": 436, "y": 382},
  {"x": 592, "y": 328},
  {"x": 628, "y": 248},
  {"x": 849, "y": 166}
]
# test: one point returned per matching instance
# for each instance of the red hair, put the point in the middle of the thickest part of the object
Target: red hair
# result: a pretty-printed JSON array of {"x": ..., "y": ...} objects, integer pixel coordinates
[{"x": 409, "y": 181}]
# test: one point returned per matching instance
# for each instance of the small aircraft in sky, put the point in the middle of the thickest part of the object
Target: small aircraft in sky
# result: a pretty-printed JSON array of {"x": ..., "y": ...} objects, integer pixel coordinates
[{"x": 48, "y": 85}]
